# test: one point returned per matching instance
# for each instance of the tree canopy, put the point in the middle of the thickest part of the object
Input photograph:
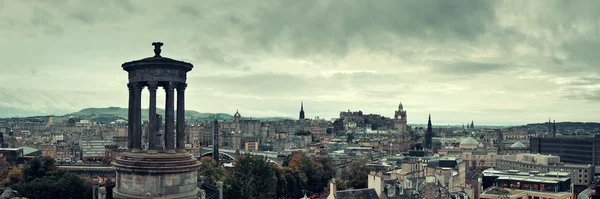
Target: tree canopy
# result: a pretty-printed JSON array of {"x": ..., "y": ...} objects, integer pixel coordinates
[
  {"x": 356, "y": 174},
  {"x": 41, "y": 179},
  {"x": 4, "y": 169},
  {"x": 253, "y": 177},
  {"x": 211, "y": 171}
]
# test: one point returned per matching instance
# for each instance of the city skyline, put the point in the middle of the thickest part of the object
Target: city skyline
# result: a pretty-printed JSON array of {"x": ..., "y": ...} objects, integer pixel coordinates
[{"x": 497, "y": 63}]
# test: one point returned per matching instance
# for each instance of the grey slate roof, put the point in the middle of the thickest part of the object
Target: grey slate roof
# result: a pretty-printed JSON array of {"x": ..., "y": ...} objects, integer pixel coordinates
[{"x": 357, "y": 194}]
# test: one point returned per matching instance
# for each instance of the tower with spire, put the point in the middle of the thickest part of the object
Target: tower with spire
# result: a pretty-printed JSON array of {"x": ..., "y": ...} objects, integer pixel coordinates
[
  {"x": 237, "y": 116},
  {"x": 472, "y": 125},
  {"x": 401, "y": 139},
  {"x": 428, "y": 134},
  {"x": 301, "y": 110}
]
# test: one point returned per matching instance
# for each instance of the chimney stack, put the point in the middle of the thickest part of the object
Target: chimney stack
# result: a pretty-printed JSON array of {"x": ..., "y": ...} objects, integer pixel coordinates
[{"x": 332, "y": 189}]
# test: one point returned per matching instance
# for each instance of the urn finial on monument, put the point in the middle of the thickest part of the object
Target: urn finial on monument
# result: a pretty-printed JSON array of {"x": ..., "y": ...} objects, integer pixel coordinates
[{"x": 157, "y": 49}]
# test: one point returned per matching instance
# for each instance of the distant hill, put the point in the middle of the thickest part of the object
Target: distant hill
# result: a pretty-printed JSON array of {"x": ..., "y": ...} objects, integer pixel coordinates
[
  {"x": 566, "y": 126},
  {"x": 114, "y": 113}
]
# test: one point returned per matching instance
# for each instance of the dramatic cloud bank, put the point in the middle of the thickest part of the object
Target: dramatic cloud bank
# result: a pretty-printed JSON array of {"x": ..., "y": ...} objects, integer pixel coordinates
[{"x": 495, "y": 62}]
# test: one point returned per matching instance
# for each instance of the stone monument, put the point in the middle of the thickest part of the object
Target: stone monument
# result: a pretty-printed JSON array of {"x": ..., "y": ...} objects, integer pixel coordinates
[{"x": 162, "y": 172}]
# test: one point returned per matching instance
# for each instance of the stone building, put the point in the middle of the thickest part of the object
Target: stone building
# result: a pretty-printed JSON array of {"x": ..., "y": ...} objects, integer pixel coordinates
[
  {"x": 515, "y": 135},
  {"x": 235, "y": 134},
  {"x": 93, "y": 149},
  {"x": 472, "y": 152},
  {"x": 517, "y": 185},
  {"x": 581, "y": 174}
]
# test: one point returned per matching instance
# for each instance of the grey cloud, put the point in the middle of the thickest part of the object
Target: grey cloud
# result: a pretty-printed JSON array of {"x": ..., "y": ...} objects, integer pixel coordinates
[
  {"x": 254, "y": 84},
  {"x": 583, "y": 88},
  {"x": 470, "y": 67},
  {"x": 285, "y": 85},
  {"x": 583, "y": 94},
  {"x": 331, "y": 26},
  {"x": 42, "y": 18},
  {"x": 189, "y": 10},
  {"x": 94, "y": 12},
  {"x": 224, "y": 39},
  {"x": 584, "y": 51},
  {"x": 217, "y": 56}
]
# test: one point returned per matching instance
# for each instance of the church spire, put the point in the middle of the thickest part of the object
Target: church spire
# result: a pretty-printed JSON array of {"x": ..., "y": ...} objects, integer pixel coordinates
[
  {"x": 428, "y": 134},
  {"x": 301, "y": 110}
]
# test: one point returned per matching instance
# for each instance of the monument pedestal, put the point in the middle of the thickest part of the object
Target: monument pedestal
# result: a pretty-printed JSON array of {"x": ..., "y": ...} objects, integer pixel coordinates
[{"x": 160, "y": 174}]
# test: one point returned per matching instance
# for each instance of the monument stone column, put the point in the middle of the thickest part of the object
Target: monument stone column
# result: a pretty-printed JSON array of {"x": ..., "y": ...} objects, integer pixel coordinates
[
  {"x": 181, "y": 117},
  {"x": 137, "y": 117},
  {"x": 169, "y": 119},
  {"x": 152, "y": 86},
  {"x": 130, "y": 118}
]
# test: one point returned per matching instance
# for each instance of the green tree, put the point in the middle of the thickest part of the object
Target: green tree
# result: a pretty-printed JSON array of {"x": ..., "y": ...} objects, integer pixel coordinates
[
  {"x": 14, "y": 175},
  {"x": 4, "y": 169},
  {"x": 42, "y": 179},
  {"x": 211, "y": 171},
  {"x": 253, "y": 177},
  {"x": 60, "y": 185},
  {"x": 290, "y": 182},
  {"x": 318, "y": 171},
  {"x": 356, "y": 174}
]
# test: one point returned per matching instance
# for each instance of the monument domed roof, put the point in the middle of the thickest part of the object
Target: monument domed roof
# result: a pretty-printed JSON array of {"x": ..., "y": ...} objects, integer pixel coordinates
[
  {"x": 157, "y": 60},
  {"x": 518, "y": 145},
  {"x": 469, "y": 141}
]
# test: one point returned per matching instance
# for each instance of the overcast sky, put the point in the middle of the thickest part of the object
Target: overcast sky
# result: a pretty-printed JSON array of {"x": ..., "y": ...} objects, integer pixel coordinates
[{"x": 494, "y": 62}]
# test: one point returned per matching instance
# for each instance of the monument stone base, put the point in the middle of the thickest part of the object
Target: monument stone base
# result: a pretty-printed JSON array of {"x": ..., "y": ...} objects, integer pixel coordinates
[{"x": 160, "y": 175}]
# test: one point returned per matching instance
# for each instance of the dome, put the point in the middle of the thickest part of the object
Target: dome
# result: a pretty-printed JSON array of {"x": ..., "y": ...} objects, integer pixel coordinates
[
  {"x": 469, "y": 142},
  {"x": 518, "y": 145}
]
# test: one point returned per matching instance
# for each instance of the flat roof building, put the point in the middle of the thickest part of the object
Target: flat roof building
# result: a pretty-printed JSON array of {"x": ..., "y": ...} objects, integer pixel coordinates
[
  {"x": 514, "y": 184},
  {"x": 576, "y": 150},
  {"x": 581, "y": 174}
]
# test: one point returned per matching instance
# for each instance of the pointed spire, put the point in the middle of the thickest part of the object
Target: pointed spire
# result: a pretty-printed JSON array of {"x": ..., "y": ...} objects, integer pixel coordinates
[
  {"x": 301, "y": 110},
  {"x": 428, "y": 134}
]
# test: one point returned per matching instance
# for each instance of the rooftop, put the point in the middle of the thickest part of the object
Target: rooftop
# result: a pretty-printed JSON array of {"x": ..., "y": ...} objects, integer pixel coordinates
[
  {"x": 356, "y": 193},
  {"x": 508, "y": 192},
  {"x": 551, "y": 177}
]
